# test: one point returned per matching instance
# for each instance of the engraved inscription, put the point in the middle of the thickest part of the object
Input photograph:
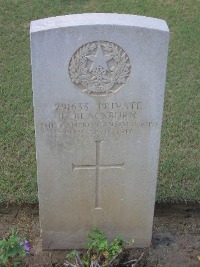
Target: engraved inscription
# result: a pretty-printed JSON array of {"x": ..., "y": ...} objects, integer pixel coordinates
[
  {"x": 99, "y": 68},
  {"x": 97, "y": 167},
  {"x": 74, "y": 121},
  {"x": 83, "y": 111},
  {"x": 132, "y": 105},
  {"x": 79, "y": 119}
]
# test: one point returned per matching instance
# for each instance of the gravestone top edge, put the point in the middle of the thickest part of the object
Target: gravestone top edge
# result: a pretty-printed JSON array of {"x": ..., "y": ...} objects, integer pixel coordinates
[{"x": 98, "y": 19}]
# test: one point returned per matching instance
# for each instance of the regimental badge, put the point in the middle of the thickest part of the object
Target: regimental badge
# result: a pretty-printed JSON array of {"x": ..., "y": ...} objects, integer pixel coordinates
[{"x": 99, "y": 68}]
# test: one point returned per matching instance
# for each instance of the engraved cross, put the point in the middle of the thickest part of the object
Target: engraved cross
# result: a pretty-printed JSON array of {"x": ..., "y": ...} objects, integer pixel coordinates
[{"x": 97, "y": 167}]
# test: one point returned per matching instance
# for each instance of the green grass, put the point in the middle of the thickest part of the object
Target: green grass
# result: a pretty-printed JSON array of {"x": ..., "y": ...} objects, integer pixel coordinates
[{"x": 179, "y": 172}]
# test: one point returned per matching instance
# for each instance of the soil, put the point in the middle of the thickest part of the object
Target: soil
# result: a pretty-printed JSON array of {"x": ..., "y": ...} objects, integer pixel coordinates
[{"x": 175, "y": 242}]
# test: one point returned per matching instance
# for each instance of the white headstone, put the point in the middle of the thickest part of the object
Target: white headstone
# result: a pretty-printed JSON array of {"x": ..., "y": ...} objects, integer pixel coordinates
[{"x": 98, "y": 85}]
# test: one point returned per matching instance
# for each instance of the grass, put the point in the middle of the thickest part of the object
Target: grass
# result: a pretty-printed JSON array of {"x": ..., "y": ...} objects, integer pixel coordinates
[{"x": 179, "y": 172}]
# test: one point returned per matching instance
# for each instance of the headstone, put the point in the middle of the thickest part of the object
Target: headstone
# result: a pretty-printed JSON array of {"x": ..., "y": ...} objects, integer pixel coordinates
[{"x": 98, "y": 85}]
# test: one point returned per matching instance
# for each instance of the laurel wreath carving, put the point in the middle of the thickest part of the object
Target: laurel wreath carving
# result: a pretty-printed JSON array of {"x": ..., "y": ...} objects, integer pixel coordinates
[{"x": 99, "y": 81}]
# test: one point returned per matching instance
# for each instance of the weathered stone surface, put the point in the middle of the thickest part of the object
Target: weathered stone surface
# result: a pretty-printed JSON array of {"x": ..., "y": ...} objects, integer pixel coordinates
[{"x": 98, "y": 85}]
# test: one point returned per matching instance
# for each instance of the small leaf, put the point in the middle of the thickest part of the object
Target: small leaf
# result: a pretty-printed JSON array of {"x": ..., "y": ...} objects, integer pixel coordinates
[{"x": 16, "y": 263}]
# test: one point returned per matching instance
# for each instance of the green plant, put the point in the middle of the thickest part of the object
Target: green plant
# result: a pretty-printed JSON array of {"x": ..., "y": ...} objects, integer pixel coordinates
[
  {"x": 13, "y": 249},
  {"x": 100, "y": 253}
]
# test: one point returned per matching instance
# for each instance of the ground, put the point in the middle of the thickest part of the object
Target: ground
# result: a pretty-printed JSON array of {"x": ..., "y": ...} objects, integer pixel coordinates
[{"x": 175, "y": 242}]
